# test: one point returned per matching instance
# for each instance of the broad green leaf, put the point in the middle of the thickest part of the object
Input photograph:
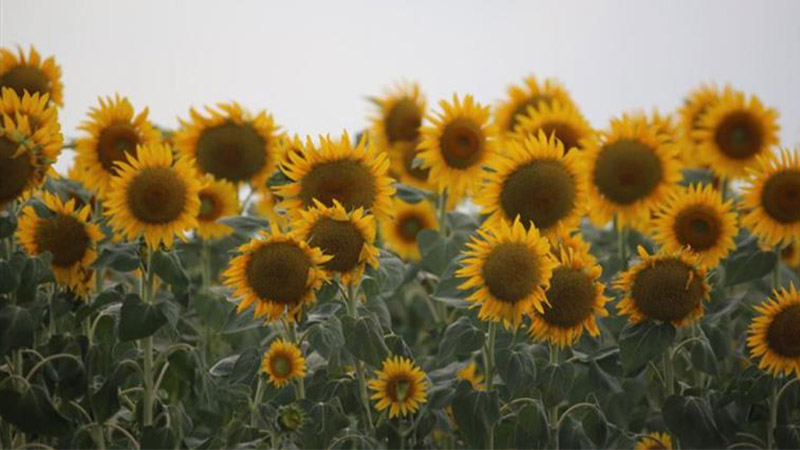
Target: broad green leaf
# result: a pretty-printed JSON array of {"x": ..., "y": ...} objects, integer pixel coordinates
[
  {"x": 516, "y": 367},
  {"x": 410, "y": 194},
  {"x": 326, "y": 336},
  {"x": 9, "y": 280},
  {"x": 748, "y": 263},
  {"x": 555, "y": 382},
  {"x": 460, "y": 338},
  {"x": 138, "y": 319},
  {"x": 364, "y": 339},
  {"x": 703, "y": 357},
  {"x": 643, "y": 342},
  {"x": 16, "y": 329},
  {"x": 161, "y": 437},
  {"x": 690, "y": 419},
  {"x": 120, "y": 257},
  {"x": 169, "y": 268},
  {"x": 532, "y": 428},
  {"x": 32, "y": 412},
  {"x": 475, "y": 412},
  {"x": 8, "y": 223}
]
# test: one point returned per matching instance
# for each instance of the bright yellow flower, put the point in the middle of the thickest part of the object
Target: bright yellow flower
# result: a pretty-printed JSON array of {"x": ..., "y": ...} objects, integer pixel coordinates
[
  {"x": 400, "y": 386},
  {"x": 31, "y": 74},
  {"x": 283, "y": 362},
  {"x": 774, "y": 334}
]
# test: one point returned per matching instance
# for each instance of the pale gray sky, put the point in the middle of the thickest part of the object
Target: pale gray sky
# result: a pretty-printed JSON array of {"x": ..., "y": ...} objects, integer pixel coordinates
[{"x": 312, "y": 63}]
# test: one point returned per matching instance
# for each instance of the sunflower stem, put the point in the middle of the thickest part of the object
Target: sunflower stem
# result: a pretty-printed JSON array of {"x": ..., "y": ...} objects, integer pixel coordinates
[
  {"x": 257, "y": 398},
  {"x": 553, "y": 412},
  {"x": 146, "y": 289},
  {"x": 205, "y": 264},
  {"x": 774, "y": 400},
  {"x": 441, "y": 212},
  {"x": 488, "y": 359},
  {"x": 622, "y": 245},
  {"x": 352, "y": 311},
  {"x": 669, "y": 373}
]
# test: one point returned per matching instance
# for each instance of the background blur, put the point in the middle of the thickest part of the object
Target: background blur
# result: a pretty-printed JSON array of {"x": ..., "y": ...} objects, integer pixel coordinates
[{"x": 313, "y": 63}]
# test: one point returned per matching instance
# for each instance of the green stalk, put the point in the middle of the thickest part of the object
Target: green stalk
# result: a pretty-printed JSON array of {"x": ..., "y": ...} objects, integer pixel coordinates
[
  {"x": 352, "y": 311},
  {"x": 259, "y": 396},
  {"x": 489, "y": 360},
  {"x": 774, "y": 399},
  {"x": 622, "y": 244},
  {"x": 441, "y": 212},
  {"x": 147, "y": 345},
  {"x": 553, "y": 412},
  {"x": 669, "y": 372},
  {"x": 205, "y": 264}
]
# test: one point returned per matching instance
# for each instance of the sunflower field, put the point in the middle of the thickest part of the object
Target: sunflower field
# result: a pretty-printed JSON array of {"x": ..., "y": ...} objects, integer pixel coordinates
[{"x": 454, "y": 275}]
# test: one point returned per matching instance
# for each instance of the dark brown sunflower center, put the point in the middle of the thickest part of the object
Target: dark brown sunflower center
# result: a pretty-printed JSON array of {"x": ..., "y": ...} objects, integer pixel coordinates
[
  {"x": 340, "y": 239},
  {"x": 462, "y": 144},
  {"x": 781, "y": 197},
  {"x": 209, "y": 207},
  {"x": 783, "y": 334},
  {"x": 400, "y": 388},
  {"x": 64, "y": 237},
  {"x": 14, "y": 172},
  {"x": 403, "y": 121},
  {"x": 349, "y": 182},
  {"x": 278, "y": 272},
  {"x": 231, "y": 151},
  {"x": 409, "y": 155},
  {"x": 542, "y": 192},
  {"x": 698, "y": 227},
  {"x": 664, "y": 292},
  {"x": 156, "y": 195},
  {"x": 409, "y": 225},
  {"x": 739, "y": 135},
  {"x": 26, "y": 78},
  {"x": 627, "y": 171},
  {"x": 511, "y": 272},
  {"x": 522, "y": 109},
  {"x": 115, "y": 142},
  {"x": 571, "y": 296},
  {"x": 281, "y": 366},
  {"x": 564, "y": 132}
]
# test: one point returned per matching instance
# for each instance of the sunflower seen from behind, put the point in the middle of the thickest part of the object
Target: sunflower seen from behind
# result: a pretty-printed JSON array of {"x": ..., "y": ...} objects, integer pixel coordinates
[
  {"x": 654, "y": 441},
  {"x": 699, "y": 219},
  {"x": 153, "y": 196},
  {"x": 772, "y": 199},
  {"x": 348, "y": 237},
  {"x": 277, "y": 272},
  {"x": 563, "y": 121},
  {"x": 31, "y": 73},
  {"x": 508, "y": 269},
  {"x": 535, "y": 181},
  {"x": 67, "y": 233},
  {"x": 218, "y": 199},
  {"x": 665, "y": 287},
  {"x": 774, "y": 334},
  {"x": 113, "y": 131},
  {"x": 283, "y": 362},
  {"x": 400, "y": 233},
  {"x": 399, "y": 386},
  {"x": 529, "y": 97}
]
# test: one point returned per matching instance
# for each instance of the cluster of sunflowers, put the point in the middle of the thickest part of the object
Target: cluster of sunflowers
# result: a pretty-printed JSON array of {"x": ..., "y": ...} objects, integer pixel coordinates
[{"x": 324, "y": 228}]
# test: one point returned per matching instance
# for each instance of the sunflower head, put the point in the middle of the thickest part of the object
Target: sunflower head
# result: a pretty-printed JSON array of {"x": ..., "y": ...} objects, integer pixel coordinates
[
  {"x": 697, "y": 218},
  {"x": 526, "y": 99},
  {"x": 153, "y": 197},
  {"x": 654, "y": 441},
  {"x": 563, "y": 121},
  {"x": 691, "y": 115},
  {"x": 399, "y": 115},
  {"x": 470, "y": 374},
  {"x": 457, "y": 144},
  {"x": 68, "y": 235},
  {"x": 536, "y": 182},
  {"x": 32, "y": 74},
  {"x": 631, "y": 168},
  {"x": 278, "y": 272},
  {"x": 735, "y": 132},
  {"x": 774, "y": 334},
  {"x": 666, "y": 287},
  {"x": 400, "y": 386},
  {"x": 400, "y": 233},
  {"x": 356, "y": 177},
  {"x": 231, "y": 143},
  {"x": 509, "y": 269},
  {"x": 218, "y": 199},
  {"x": 283, "y": 362},
  {"x": 772, "y": 199}
]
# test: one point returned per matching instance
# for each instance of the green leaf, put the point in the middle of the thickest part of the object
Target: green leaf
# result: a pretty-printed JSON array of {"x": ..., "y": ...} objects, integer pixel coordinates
[
  {"x": 169, "y": 268},
  {"x": 32, "y": 412},
  {"x": 364, "y": 339},
  {"x": 120, "y": 257},
  {"x": 100, "y": 301},
  {"x": 475, "y": 412},
  {"x": 8, "y": 278},
  {"x": 643, "y": 342},
  {"x": 8, "y": 223},
  {"x": 517, "y": 368},
  {"x": 326, "y": 336},
  {"x": 437, "y": 252},
  {"x": 555, "y": 381},
  {"x": 532, "y": 430},
  {"x": 460, "y": 338},
  {"x": 595, "y": 426},
  {"x": 161, "y": 437},
  {"x": 787, "y": 436},
  {"x": 690, "y": 419},
  {"x": 16, "y": 329},
  {"x": 410, "y": 194},
  {"x": 703, "y": 357},
  {"x": 105, "y": 400},
  {"x": 278, "y": 178},
  {"x": 138, "y": 319},
  {"x": 245, "y": 224},
  {"x": 35, "y": 271},
  {"x": 748, "y": 263}
]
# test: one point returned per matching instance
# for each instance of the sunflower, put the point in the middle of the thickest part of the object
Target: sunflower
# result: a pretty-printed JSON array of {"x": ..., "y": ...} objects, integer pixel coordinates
[
  {"x": 31, "y": 74},
  {"x": 153, "y": 196},
  {"x": 282, "y": 362},
  {"x": 695, "y": 106},
  {"x": 266, "y": 205},
  {"x": 277, "y": 271},
  {"x": 734, "y": 132},
  {"x": 457, "y": 145},
  {"x": 667, "y": 287},
  {"x": 790, "y": 255},
  {"x": 400, "y": 386},
  {"x": 522, "y": 100},
  {"x": 699, "y": 219},
  {"x": 470, "y": 373},
  {"x": 399, "y": 116},
  {"x": 574, "y": 300},
  {"x": 774, "y": 335},
  {"x": 349, "y": 237},
  {"x": 218, "y": 199},
  {"x": 230, "y": 143},
  {"x": 510, "y": 268},
  {"x": 654, "y": 441},
  {"x": 68, "y": 235},
  {"x": 41, "y": 113},
  {"x": 400, "y": 233},
  {"x": 631, "y": 169},
  {"x": 354, "y": 176},
  {"x": 554, "y": 118},
  {"x": 535, "y": 181},
  {"x": 772, "y": 199}
]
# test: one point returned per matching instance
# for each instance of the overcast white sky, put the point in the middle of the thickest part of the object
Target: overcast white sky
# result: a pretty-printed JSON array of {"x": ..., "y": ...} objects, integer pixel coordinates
[{"x": 312, "y": 63}]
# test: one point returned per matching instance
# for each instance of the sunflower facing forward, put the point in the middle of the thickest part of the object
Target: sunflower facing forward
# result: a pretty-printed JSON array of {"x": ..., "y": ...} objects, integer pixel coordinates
[
  {"x": 283, "y": 362},
  {"x": 400, "y": 386},
  {"x": 531, "y": 96},
  {"x": 654, "y": 441},
  {"x": 349, "y": 237},
  {"x": 772, "y": 199},
  {"x": 230, "y": 143},
  {"x": 31, "y": 74},
  {"x": 356, "y": 177},
  {"x": 564, "y": 121},
  {"x": 114, "y": 131},
  {"x": 69, "y": 237},
  {"x": 774, "y": 335},
  {"x": 510, "y": 268},
  {"x": 458, "y": 143},
  {"x": 278, "y": 272},
  {"x": 735, "y": 132},
  {"x": 666, "y": 287},
  {"x": 400, "y": 233},
  {"x": 536, "y": 182},
  {"x": 697, "y": 218},
  {"x": 153, "y": 197},
  {"x": 631, "y": 169},
  {"x": 218, "y": 199}
]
